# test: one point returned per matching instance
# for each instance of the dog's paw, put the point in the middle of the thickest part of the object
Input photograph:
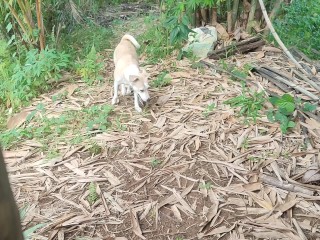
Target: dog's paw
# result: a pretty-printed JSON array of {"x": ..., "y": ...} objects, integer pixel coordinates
[
  {"x": 138, "y": 109},
  {"x": 115, "y": 101}
]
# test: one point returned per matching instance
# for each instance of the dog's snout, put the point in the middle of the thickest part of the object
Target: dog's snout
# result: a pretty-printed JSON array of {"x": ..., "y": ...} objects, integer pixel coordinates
[{"x": 144, "y": 95}]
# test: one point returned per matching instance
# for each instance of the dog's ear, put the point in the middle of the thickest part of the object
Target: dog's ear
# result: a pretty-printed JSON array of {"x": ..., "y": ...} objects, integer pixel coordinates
[{"x": 133, "y": 78}]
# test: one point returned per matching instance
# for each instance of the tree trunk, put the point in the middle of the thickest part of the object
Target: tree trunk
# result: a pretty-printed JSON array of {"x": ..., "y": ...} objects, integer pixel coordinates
[
  {"x": 229, "y": 16},
  {"x": 198, "y": 17},
  {"x": 246, "y": 11},
  {"x": 214, "y": 15},
  {"x": 204, "y": 15},
  {"x": 251, "y": 15},
  {"x": 235, "y": 12}
]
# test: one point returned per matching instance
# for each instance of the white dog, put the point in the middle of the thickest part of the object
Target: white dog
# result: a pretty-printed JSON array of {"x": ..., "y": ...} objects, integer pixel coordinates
[{"x": 127, "y": 72}]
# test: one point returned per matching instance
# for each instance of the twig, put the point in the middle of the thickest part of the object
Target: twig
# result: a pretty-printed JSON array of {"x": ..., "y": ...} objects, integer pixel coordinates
[
  {"x": 312, "y": 83},
  {"x": 277, "y": 38},
  {"x": 285, "y": 186},
  {"x": 222, "y": 70}
]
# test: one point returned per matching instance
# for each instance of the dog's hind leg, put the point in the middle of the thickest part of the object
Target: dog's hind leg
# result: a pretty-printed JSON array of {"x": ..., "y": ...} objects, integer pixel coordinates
[
  {"x": 115, "y": 98},
  {"x": 129, "y": 90}
]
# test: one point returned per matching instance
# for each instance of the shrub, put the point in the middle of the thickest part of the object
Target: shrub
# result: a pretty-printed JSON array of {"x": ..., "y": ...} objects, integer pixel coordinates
[
  {"x": 25, "y": 78},
  {"x": 299, "y": 26}
]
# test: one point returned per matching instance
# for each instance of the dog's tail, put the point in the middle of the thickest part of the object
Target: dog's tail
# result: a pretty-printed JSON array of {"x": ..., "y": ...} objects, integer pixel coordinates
[{"x": 131, "y": 39}]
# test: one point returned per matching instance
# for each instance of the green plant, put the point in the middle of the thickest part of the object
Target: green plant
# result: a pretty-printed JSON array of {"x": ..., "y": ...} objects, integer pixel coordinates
[
  {"x": 250, "y": 103},
  {"x": 119, "y": 125},
  {"x": 79, "y": 42},
  {"x": 156, "y": 40},
  {"x": 93, "y": 195},
  {"x": 89, "y": 69},
  {"x": 31, "y": 76},
  {"x": 207, "y": 185},
  {"x": 97, "y": 117},
  {"x": 155, "y": 163},
  {"x": 285, "y": 107},
  {"x": 47, "y": 130},
  {"x": 162, "y": 80},
  {"x": 95, "y": 149},
  {"x": 208, "y": 109},
  {"x": 302, "y": 32},
  {"x": 27, "y": 234}
]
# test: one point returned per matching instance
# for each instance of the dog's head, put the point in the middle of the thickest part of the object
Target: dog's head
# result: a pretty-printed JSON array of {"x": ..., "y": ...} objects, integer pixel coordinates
[{"x": 139, "y": 84}]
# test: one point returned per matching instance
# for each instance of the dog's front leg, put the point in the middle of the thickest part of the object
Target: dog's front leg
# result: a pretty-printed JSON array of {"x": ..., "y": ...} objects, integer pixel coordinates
[
  {"x": 123, "y": 89},
  {"x": 115, "y": 98},
  {"x": 136, "y": 103}
]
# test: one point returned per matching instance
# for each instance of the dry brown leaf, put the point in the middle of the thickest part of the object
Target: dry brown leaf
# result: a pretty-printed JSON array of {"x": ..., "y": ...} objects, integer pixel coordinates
[
  {"x": 311, "y": 124},
  {"x": 71, "y": 88},
  {"x": 312, "y": 175},
  {"x": 147, "y": 210},
  {"x": 182, "y": 201},
  {"x": 17, "y": 120},
  {"x": 107, "y": 137},
  {"x": 136, "y": 225},
  {"x": 176, "y": 212},
  {"x": 271, "y": 49},
  {"x": 237, "y": 34},
  {"x": 160, "y": 122},
  {"x": 113, "y": 202},
  {"x": 112, "y": 178},
  {"x": 222, "y": 31},
  {"x": 260, "y": 55},
  {"x": 243, "y": 137},
  {"x": 287, "y": 205},
  {"x": 220, "y": 230},
  {"x": 163, "y": 99},
  {"x": 260, "y": 201}
]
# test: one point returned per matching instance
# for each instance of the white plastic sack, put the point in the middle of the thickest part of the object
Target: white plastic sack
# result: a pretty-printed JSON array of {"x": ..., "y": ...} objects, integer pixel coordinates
[{"x": 202, "y": 41}]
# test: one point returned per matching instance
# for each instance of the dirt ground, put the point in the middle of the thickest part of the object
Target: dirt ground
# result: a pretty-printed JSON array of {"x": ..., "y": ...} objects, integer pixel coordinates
[{"x": 175, "y": 171}]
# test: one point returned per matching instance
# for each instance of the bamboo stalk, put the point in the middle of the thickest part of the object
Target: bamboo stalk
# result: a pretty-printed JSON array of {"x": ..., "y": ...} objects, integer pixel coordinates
[
  {"x": 235, "y": 12},
  {"x": 229, "y": 16},
  {"x": 15, "y": 14},
  {"x": 40, "y": 24},
  {"x": 214, "y": 16},
  {"x": 25, "y": 15},
  {"x": 251, "y": 15},
  {"x": 277, "y": 38}
]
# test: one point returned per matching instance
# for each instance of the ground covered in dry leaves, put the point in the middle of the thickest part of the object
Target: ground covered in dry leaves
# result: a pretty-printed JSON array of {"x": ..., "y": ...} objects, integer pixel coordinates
[{"x": 177, "y": 171}]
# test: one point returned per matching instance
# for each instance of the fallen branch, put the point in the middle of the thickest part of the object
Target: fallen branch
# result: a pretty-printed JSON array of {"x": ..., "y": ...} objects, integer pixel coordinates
[
  {"x": 277, "y": 38},
  {"x": 239, "y": 47},
  {"x": 285, "y": 186},
  {"x": 268, "y": 71},
  {"x": 280, "y": 85},
  {"x": 302, "y": 56},
  {"x": 310, "y": 82},
  {"x": 292, "y": 79}
]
